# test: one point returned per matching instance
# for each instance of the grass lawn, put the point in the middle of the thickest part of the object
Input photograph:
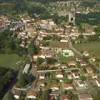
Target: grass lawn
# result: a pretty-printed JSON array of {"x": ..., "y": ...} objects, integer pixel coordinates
[
  {"x": 10, "y": 61},
  {"x": 65, "y": 60},
  {"x": 92, "y": 47}
]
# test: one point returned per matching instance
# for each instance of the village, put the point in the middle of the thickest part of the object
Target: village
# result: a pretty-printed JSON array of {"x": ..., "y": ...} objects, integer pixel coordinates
[
  {"x": 55, "y": 65},
  {"x": 61, "y": 72}
]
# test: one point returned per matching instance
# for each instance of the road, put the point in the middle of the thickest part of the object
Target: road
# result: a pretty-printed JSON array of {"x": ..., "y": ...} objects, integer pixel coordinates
[
  {"x": 57, "y": 70},
  {"x": 74, "y": 49}
]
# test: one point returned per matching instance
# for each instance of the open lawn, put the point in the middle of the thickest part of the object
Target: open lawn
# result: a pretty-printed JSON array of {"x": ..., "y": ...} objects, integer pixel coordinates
[
  {"x": 65, "y": 60},
  {"x": 92, "y": 47},
  {"x": 12, "y": 61}
]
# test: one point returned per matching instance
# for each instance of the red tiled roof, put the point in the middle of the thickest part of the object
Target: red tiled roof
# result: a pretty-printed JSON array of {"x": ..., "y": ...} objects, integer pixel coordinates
[
  {"x": 31, "y": 93},
  {"x": 64, "y": 97}
]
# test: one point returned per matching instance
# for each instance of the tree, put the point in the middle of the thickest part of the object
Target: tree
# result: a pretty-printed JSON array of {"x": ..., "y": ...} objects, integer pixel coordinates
[
  {"x": 21, "y": 6},
  {"x": 97, "y": 30},
  {"x": 40, "y": 61},
  {"x": 23, "y": 81},
  {"x": 35, "y": 49},
  {"x": 8, "y": 96},
  {"x": 51, "y": 60},
  {"x": 83, "y": 78}
]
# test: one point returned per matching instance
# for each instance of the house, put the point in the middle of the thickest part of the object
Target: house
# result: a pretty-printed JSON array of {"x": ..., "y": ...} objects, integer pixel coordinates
[
  {"x": 41, "y": 83},
  {"x": 59, "y": 75},
  {"x": 92, "y": 59},
  {"x": 78, "y": 59},
  {"x": 54, "y": 96},
  {"x": 35, "y": 57},
  {"x": 85, "y": 96},
  {"x": 16, "y": 96},
  {"x": 63, "y": 66},
  {"x": 16, "y": 93},
  {"x": 64, "y": 97},
  {"x": 86, "y": 54},
  {"x": 69, "y": 75},
  {"x": 64, "y": 41},
  {"x": 31, "y": 95},
  {"x": 72, "y": 63},
  {"x": 41, "y": 77},
  {"x": 67, "y": 86},
  {"x": 94, "y": 76},
  {"x": 75, "y": 74},
  {"x": 82, "y": 63},
  {"x": 42, "y": 56},
  {"x": 97, "y": 82},
  {"x": 47, "y": 25},
  {"x": 55, "y": 87},
  {"x": 89, "y": 70},
  {"x": 80, "y": 85}
]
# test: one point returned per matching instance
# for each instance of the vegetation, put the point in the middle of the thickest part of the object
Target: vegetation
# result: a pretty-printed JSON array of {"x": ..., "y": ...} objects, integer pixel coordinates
[
  {"x": 24, "y": 80},
  {"x": 8, "y": 44},
  {"x": 83, "y": 78},
  {"x": 97, "y": 30},
  {"x": 43, "y": 95},
  {"x": 7, "y": 79},
  {"x": 97, "y": 95},
  {"x": 64, "y": 60},
  {"x": 51, "y": 60},
  {"x": 40, "y": 61},
  {"x": 91, "y": 18},
  {"x": 8, "y": 96},
  {"x": 91, "y": 47},
  {"x": 11, "y": 61},
  {"x": 52, "y": 37},
  {"x": 88, "y": 4}
]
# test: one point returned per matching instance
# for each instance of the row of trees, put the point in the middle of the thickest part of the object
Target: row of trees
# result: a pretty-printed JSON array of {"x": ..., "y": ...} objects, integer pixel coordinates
[{"x": 91, "y": 18}]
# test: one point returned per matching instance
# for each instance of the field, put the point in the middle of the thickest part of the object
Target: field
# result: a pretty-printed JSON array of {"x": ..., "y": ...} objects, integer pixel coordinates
[
  {"x": 65, "y": 60},
  {"x": 11, "y": 61},
  {"x": 92, "y": 47}
]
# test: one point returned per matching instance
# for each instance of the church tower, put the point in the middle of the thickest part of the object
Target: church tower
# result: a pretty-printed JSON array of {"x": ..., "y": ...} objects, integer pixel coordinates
[{"x": 71, "y": 15}]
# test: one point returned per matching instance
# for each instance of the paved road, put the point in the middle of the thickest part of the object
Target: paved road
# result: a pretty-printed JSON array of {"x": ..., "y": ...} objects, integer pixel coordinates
[{"x": 57, "y": 70}]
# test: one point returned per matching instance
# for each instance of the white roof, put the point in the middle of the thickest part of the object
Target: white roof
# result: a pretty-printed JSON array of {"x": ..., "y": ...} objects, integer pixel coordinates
[
  {"x": 54, "y": 88},
  {"x": 41, "y": 77},
  {"x": 59, "y": 76},
  {"x": 16, "y": 96},
  {"x": 63, "y": 40},
  {"x": 31, "y": 97},
  {"x": 26, "y": 68},
  {"x": 42, "y": 56}
]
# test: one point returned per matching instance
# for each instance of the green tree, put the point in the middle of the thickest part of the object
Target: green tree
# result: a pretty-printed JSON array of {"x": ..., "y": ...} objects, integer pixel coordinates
[
  {"x": 8, "y": 96},
  {"x": 23, "y": 81},
  {"x": 97, "y": 30},
  {"x": 40, "y": 61},
  {"x": 83, "y": 78}
]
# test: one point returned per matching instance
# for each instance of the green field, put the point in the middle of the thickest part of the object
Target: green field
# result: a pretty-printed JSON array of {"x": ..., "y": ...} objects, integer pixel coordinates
[
  {"x": 92, "y": 47},
  {"x": 64, "y": 60},
  {"x": 12, "y": 61}
]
